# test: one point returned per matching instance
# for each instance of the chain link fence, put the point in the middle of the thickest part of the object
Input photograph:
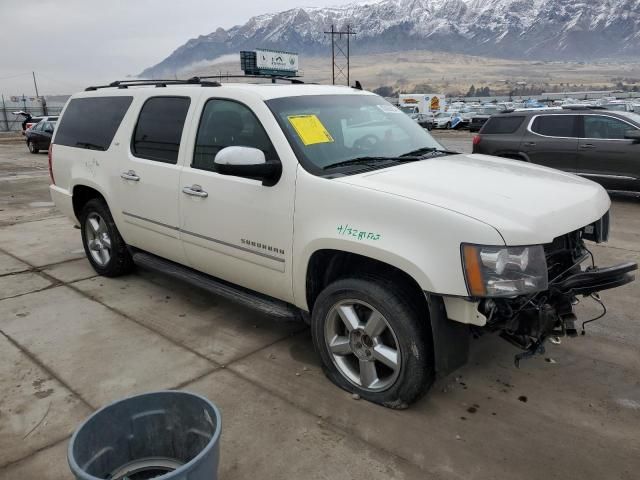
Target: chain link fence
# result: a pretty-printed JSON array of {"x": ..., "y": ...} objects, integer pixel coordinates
[{"x": 9, "y": 122}]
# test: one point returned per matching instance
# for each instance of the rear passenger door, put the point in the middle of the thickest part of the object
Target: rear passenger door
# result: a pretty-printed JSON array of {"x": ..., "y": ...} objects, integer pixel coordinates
[
  {"x": 150, "y": 175},
  {"x": 605, "y": 156},
  {"x": 552, "y": 140}
]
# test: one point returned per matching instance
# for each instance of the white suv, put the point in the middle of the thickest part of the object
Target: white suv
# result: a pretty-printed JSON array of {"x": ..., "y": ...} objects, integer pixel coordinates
[{"x": 329, "y": 204}]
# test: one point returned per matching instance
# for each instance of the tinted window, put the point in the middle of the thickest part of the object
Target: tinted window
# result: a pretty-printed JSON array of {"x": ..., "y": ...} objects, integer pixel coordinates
[
  {"x": 555, "y": 125},
  {"x": 224, "y": 124},
  {"x": 605, "y": 127},
  {"x": 37, "y": 127},
  {"x": 498, "y": 125},
  {"x": 91, "y": 122},
  {"x": 159, "y": 129}
]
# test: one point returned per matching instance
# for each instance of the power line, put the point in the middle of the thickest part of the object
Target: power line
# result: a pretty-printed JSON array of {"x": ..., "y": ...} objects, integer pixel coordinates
[{"x": 15, "y": 76}]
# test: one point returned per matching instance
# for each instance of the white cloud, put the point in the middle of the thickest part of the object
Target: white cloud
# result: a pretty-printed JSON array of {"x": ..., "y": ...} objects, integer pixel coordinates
[{"x": 73, "y": 43}]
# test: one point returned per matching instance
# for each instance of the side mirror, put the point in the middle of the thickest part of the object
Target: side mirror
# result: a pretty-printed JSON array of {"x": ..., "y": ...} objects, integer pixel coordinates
[
  {"x": 632, "y": 135},
  {"x": 248, "y": 162}
]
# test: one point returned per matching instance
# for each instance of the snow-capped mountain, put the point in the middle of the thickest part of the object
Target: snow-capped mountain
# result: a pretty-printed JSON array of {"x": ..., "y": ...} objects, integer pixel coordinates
[{"x": 524, "y": 29}]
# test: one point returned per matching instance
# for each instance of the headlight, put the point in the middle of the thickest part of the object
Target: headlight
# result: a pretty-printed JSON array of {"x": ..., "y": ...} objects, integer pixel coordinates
[{"x": 504, "y": 271}]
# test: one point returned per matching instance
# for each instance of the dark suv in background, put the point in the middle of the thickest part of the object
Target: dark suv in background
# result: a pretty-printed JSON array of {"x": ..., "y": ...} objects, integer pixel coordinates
[{"x": 598, "y": 144}]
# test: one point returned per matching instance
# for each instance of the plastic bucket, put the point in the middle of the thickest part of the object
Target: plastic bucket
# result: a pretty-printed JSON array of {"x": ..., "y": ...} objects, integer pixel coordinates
[{"x": 167, "y": 435}]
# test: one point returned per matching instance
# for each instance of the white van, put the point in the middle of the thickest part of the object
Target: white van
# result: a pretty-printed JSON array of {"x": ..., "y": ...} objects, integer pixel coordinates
[{"x": 330, "y": 205}]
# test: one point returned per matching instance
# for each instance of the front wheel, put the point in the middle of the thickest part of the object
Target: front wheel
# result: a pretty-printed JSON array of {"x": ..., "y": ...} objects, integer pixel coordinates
[
  {"x": 103, "y": 245},
  {"x": 32, "y": 148},
  {"x": 373, "y": 341}
]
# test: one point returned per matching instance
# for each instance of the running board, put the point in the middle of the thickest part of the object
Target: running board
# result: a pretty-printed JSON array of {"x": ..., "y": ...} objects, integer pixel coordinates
[{"x": 257, "y": 301}]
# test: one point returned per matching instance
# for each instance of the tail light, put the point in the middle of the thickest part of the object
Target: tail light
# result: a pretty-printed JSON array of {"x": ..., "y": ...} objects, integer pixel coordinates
[
  {"x": 477, "y": 139},
  {"x": 53, "y": 182}
]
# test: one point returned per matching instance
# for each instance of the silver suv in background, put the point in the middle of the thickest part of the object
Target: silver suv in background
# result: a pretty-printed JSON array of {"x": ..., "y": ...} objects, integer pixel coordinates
[{"x": 598, "y": 144}]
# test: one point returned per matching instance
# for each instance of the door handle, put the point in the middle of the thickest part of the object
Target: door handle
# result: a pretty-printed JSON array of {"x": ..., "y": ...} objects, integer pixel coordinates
[
  {"x": 529, "y": 144},
  {"x": 195, "y": 190},
  {"x": 586, "y": 146},
  {"x": 130, "y": 175}
]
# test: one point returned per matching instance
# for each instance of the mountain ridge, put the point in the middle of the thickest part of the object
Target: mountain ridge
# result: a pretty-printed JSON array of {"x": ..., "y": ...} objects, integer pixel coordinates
[{"x": 518, "y": 29}]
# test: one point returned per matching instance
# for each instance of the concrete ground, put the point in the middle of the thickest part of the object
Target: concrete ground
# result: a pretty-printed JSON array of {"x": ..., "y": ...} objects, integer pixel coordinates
[{"x": 71, "y": 341}]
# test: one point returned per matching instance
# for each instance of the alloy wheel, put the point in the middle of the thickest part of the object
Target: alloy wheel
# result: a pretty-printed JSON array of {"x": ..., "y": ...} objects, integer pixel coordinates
[
  {"x": 362, "y": 345},
  {"x": 98, "y": 239}
]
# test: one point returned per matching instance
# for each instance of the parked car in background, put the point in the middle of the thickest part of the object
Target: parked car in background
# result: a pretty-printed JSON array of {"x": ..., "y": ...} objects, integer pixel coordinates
[
  {"x": 31, "y": 122},
  {"x": 618, "y": 106},
  {"x": 462, "y": 118},
  {"x": 479, "y": 118},
  {"x": 443, "y": 120},
  {"x": 39, "y": 136},
  {"x": 598, "y": 144},
  {"x": 425, "y": 120}
]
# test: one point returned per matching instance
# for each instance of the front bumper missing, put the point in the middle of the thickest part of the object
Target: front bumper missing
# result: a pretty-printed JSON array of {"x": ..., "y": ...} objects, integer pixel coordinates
[{"x": 550, "y": 313}]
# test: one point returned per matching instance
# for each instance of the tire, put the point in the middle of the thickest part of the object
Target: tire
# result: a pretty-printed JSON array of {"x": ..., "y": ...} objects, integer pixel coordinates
[
  {"x": 352, "y": 349},
  {"x": 448, "y": 126},
  {"x": 106, "y": 250},
  {"x": 32, "y": 148}
]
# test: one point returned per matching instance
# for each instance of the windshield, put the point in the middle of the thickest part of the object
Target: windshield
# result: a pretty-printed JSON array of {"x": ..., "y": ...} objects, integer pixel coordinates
[
  {"x": 329, "y": 129},
  {"x": 408, "y": 109}
]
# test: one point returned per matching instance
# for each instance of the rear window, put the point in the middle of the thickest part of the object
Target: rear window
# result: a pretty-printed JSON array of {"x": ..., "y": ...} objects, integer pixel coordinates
[
  {"x": 497, "y": 125},
  {"x": 555, "y": 125},
  {"x": 159, "y": 129},
  {"x": 91, "y": 122}
]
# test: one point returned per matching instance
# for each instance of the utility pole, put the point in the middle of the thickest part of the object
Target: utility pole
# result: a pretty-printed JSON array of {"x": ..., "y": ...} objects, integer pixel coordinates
[
  {"x": 340, "y": 53},
  {"x": 44, "y": 102},
  {"x": 4, "y": 111}
]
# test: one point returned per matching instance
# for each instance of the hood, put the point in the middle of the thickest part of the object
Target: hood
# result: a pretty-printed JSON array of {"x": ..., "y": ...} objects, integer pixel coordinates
[{"x": 527, "y": 204}]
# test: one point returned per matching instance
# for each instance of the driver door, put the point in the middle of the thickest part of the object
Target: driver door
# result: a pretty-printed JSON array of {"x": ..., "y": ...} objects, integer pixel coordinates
[{"x": 235, "y": 228}]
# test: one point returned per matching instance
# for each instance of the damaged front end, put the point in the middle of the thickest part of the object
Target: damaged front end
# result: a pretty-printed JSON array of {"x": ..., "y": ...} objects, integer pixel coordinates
[{"x": 528, "y": 320}]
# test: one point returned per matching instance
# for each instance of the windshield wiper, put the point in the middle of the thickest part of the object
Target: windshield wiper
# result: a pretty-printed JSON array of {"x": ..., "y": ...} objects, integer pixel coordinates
[
  {"x": 362, "y": 161},
  {"x": 90, "y": 146},
  {"x": 425, "y": 151}
]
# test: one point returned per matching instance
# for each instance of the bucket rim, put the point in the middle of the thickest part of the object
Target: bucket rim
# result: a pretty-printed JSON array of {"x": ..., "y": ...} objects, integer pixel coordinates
[{"x": 78, "y": 472}]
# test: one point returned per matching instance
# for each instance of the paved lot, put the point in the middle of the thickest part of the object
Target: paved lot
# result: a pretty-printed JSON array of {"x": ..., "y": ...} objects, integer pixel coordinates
[{"x": 71, "y": 342}]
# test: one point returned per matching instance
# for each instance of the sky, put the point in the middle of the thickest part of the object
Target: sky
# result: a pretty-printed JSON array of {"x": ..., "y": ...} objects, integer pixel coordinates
[{"x": 71, "y": 44}]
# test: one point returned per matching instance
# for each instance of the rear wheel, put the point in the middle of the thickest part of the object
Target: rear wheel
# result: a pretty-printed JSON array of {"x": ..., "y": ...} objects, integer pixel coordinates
[
  {"x": 32, "y": 148},
  {"x": 372, "y": 341},
  {"x": 102, "y": 242}
]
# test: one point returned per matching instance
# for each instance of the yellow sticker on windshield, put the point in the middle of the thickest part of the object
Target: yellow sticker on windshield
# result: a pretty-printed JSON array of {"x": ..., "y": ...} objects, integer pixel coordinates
[{"x": 310, "y": 129}]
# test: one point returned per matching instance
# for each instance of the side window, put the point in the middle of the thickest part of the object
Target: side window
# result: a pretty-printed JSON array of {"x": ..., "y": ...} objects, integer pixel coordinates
[
  {"x": 555, "y": 125},
  {"x": 610, "y": 128},
  {"x": 225, "y": 123},
  {"x": 37, "y": 127},
  {"x": 159, "y": 129},
  {"x": 92, "y": 122},
  {"x": 502, "y": 125}
]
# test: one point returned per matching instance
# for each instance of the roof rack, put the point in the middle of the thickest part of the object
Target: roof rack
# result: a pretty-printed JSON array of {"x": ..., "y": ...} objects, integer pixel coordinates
[
  {"x": 273, "y": 78},
  {"x": 157, "y": 83},
  {"x": 582, "y": 107}
]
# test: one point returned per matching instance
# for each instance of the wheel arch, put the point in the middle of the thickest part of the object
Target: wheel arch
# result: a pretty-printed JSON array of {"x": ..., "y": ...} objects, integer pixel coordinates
[
  {"x": 450, "y": 339},
  {"x": 82, "y": 193},
  {"x": 327, "y": 265}
]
